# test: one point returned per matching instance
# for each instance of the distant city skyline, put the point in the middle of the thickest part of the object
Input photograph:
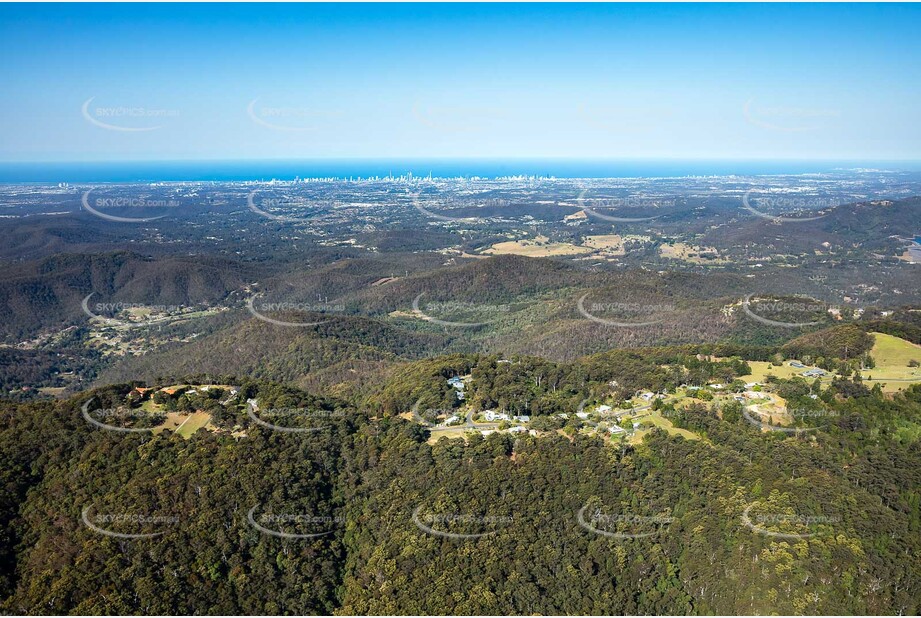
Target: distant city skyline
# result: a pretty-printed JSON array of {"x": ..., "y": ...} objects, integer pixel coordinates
[{"x": 110, "y": 83}]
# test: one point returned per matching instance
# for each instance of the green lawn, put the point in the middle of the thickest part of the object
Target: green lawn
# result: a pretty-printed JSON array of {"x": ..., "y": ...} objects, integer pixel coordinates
[
  {"x": 452, "y": 433},
  {"x": 196, "y": 421},
  {"x": 663, "y": 423},
  {"x": 761, "y": 369},
  {"x": 892, "y": 355}
]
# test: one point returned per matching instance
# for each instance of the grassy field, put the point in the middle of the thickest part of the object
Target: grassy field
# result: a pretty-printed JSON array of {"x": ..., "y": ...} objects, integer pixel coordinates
[
  {"x": 892, "y": 355},
  {"x": 661, "y": 422},
  {"x": 540, "y": 246},
  {"x": 193, "y": 423},
  {"x": 612, "y": 244},
  {"x": 689, "y": 253},
  {"x": 892, "y": 351},
  {"x": 761, "y": 369},
  {"x": 183, "y": 423},
  {"x": 55, "y": 391},
  {"x": 452, "y": 433},
  {"x": 892, "y": 372}
]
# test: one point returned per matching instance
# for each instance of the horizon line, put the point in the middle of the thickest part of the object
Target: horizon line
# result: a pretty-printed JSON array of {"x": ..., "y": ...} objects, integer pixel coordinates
[{"x": 472, "y": 158}]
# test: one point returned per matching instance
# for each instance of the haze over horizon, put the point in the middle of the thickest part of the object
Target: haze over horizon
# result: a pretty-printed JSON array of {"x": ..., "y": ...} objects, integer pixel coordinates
[{"x": 102, "y": 83}]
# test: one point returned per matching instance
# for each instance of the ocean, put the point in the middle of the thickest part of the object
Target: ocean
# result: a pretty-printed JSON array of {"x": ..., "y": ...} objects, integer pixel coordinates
[{"x": 164, "y": 171}]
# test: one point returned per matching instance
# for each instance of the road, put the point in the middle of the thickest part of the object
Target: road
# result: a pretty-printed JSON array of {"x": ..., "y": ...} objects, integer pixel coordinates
[{"x": 468, "y": 424}]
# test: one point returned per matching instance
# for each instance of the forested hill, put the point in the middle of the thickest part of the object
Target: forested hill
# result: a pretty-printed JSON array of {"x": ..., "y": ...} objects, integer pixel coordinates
[{"x": 377, "y": 519}]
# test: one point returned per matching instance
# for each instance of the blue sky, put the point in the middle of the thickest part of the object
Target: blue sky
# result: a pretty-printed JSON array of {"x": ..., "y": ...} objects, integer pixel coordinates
[{"x": 715, "y": 81}]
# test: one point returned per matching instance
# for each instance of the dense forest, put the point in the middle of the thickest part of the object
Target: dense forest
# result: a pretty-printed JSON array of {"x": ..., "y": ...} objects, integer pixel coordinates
[
  {"x": 376, "y": 518},
  {"x": 309, "y": 476}
]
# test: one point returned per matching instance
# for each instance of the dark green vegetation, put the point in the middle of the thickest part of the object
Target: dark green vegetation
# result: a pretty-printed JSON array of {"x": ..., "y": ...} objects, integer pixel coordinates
[
  {"x": 514, "y": 500},
  {"x": 373, "y": 327},
  {"x": 367, "y": 513},
  {"x": 371, "y": 256}
]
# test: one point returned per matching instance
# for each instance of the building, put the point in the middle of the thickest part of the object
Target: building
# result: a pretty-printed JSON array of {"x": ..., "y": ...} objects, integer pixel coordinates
[{"x": 492, "y": 416}]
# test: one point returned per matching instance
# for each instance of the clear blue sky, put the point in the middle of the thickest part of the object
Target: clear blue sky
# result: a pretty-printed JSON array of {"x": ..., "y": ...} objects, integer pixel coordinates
[{"x": 241, "y": 81}]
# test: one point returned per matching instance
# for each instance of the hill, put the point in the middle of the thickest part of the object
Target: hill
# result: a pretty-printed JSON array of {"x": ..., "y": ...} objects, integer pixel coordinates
[
  {"x": 375, "y": 515},
  {"x": 47, "y": 294}
]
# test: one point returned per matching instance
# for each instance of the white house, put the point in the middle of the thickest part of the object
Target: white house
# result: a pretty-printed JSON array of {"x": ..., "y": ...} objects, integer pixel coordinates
[
  {"x": 524, "y": 418},
  {"x": 492, "y": 415},
  {"x": 603, "y": 409},
  {"x": 582, "y": 415},
  {"x": 617, "y": 429}
]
